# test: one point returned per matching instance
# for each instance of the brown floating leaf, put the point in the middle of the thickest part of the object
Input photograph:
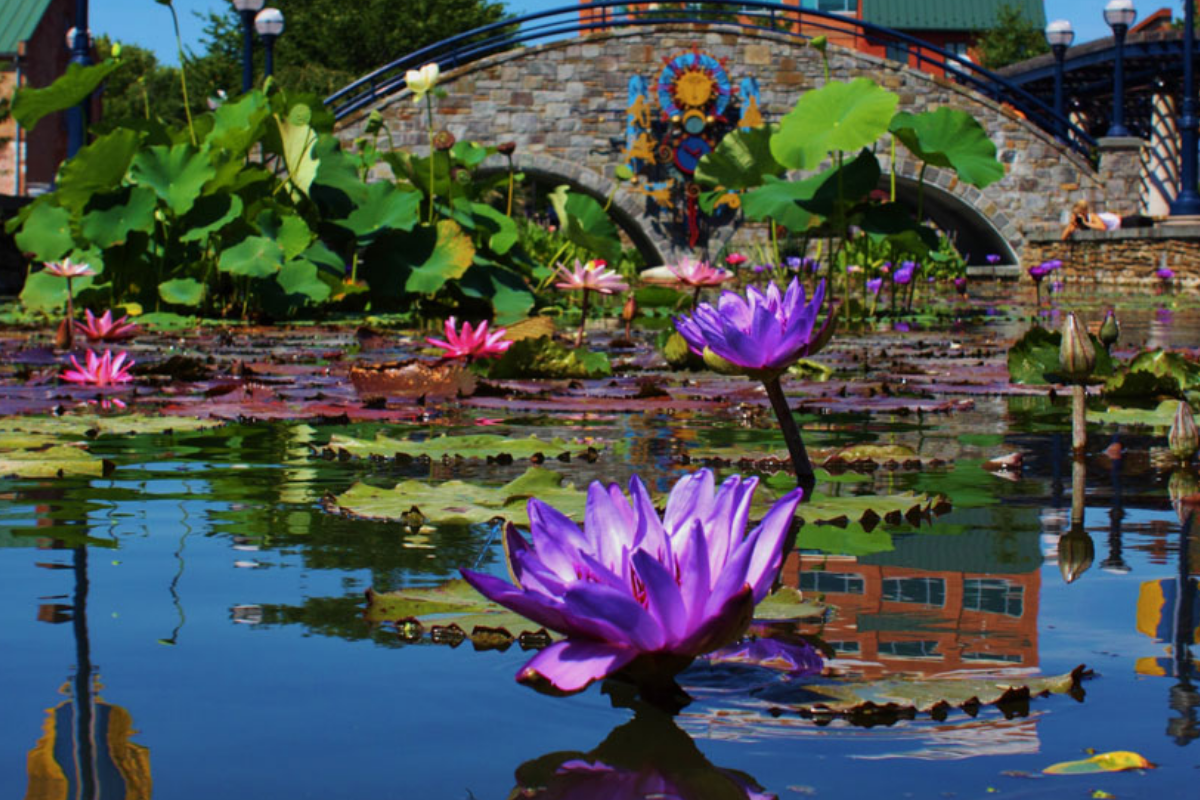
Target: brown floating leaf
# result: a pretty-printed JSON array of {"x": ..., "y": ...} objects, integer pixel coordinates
[{"x": 413, "y": 379}]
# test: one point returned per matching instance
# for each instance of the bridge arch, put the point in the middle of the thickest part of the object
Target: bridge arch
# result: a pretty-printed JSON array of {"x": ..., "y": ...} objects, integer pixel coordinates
[{"x": 563, "y": 102}]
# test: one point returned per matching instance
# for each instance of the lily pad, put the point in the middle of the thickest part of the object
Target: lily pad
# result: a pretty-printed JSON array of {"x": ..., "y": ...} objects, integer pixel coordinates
[
  {"x": 92, "y": 425},
  {"x": 475, "y": 446},
  {"x": 43, "y": 456},
  {"x": 458, "y": 502},
  {"x": 935, "y": 696},
  {"x": 454, "y": 604},
  {"x": 1160, "y": 417}
]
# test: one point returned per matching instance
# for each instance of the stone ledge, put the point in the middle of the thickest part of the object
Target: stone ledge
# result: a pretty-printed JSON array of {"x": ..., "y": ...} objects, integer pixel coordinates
[{"x": 1158, "y": 232}]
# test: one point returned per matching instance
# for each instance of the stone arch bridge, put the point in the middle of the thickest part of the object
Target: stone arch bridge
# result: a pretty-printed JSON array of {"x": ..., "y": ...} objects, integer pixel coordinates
[{"x": 560, "y": 93}]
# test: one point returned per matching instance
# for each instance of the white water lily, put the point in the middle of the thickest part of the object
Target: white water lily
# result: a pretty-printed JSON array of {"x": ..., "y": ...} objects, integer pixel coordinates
[{"x": 421, "y": 81}]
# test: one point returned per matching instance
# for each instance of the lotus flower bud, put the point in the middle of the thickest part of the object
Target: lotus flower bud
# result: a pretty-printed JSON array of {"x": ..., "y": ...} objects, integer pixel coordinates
[
  {"x": 1110, "y": 330},
  {"x": 443, "y": 141},
  {"x": 819, "y": 43},
  {"x": 630, "y": 309},
  {"x": 1183, "y": 439},
  {"x": 1076, "y": 551},
  {"x": 1183, "y": 488},
  {"x": 1076, "y": 356},
  {"x": 507, "y": 148}
]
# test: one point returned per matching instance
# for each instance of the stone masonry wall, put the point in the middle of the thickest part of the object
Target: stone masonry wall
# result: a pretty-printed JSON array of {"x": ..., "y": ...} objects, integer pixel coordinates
[
  {"x": 1128, "y": 257},
  {"x": 564, "y": 103}
]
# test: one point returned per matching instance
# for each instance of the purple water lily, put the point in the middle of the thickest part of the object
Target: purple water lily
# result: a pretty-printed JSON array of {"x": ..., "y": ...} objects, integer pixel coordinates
[
  {"x": 904, "y": 274},
  {"x": 993, "y": 259},
  {"x": 794, "y": 263},
  {"x": 760, "y": 333},
  {"x": 960, "y": 285},
  {"x": 636, "y": 592},
  {"x": 1165, "y": 274},
  {"x": 874, "y": 285}
]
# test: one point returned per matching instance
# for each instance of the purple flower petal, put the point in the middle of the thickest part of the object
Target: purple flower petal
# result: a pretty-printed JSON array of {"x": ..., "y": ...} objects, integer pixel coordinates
[
  {"x": 662, "y": 596},
  {"x": 594, "y": 602},
  {"x": 766, "y": 543},
  {"x": 572, "y": 665}
]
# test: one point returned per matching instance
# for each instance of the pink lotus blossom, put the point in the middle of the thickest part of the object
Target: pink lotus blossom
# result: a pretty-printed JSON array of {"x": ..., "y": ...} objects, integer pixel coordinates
[
  {"x": 735, "y": 259},
  {"x": 688, "y": 273},
  {"x": 471, "y": 344},
  {"x": 100, "y": 370},
  {"x": 591, "y": 276},
  {"x": 68, "y": 269},
  {"x": 104, "y": 329}
]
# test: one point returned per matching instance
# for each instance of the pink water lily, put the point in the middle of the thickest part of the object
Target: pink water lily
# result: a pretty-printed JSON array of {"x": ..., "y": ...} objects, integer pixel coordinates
[
  {"x": 100, "y": 370},
  {"x": 472, "y": 343},
  {"x": 105, "y": 329},
  {"x": 687, "y": 273},
  {"x": 635, "y": 591},
  {"x": 592, "y": 276},
  {"x": 68, "y": 269}
]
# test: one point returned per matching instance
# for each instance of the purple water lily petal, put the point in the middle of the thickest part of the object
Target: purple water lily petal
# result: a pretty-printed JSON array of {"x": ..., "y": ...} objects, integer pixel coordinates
[
  {"x": 630, "y": 584},
  {"x": 572, "y": 664}
]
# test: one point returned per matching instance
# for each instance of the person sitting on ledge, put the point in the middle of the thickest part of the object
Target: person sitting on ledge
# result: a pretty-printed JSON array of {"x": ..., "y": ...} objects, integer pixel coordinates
[{"x": 1082, "y": 216}]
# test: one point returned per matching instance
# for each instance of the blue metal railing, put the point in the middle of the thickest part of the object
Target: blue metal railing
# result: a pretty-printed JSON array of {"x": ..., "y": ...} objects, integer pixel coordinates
[{"x": 751, "y": 16}]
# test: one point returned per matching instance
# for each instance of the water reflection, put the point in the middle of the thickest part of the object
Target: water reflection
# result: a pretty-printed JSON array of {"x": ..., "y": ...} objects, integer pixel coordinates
[
  {"x": 85, "y": 752},
  {"x": 649, "y": 756}
]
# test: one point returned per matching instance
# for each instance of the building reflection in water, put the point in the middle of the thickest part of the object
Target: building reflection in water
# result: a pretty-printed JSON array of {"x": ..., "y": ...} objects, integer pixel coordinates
[
  {"x": 1168, "y": 611},
  {"x": 934, "y": 604},
  {"x": 85, "y": 752}
]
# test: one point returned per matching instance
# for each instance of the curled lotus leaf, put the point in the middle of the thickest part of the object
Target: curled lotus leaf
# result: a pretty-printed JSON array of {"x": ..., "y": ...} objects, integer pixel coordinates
[
  {"x": 1159, "y": 417},
  {"x": 1115, "y": 761},
  {"x": 413, "y": 379}
]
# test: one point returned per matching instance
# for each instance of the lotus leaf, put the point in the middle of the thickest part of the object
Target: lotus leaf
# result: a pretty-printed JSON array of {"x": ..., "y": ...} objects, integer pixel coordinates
[
  {"x": 1159, "y": 417},
  {"x": 71, "y": 88},
  {"x": 464, "y": 446},
  {"x": 182, "y": 292},
  {"x": 840, "y": 116},
  {"x": 585, "y": 223},
  {"x": 453, "y": 253},
  {"x": 740, "y": 161},
  {"x": 112, "y": 217},
  {"x": 97, "y": 167},
  {"x": 458, "y": 502},
  {"x": 46, "y": 233},
  {"x": 255, "y": 256},
  {"x": 950, "y": 138},
  {"x": 383, "y": 208},
  {"x": 176, "y": 174},
  {"x": 1153, "y": 373},
  {"x": 211, "y": 213},
  {"x": 889, "y": 696},
  {"x": 41, "y": 456},
  {"x": 546, "y": 358},
  {"x": 1034, "y": 358}
]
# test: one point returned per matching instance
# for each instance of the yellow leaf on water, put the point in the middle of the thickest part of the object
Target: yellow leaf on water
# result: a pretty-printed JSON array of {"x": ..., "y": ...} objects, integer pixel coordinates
[
  {"x": 1115, "y": 761},
  {"x": 1100, "y": 794}
]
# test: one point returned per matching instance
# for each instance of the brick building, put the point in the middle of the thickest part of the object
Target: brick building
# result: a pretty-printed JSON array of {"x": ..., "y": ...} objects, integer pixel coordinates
[{"x": 33, "y": 52}]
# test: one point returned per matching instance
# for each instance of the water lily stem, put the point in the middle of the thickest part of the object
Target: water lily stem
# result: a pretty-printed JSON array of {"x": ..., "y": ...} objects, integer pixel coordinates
[
  {"x": 1079, "y": 417},
  {"x": 582, "y": 319},
  {"x": 696, "y": 299},
  {"x": 432, "y": 152},
  {"x": 70, "y": 337},
  {"x": 187, "y": 109},
  {"x": 791, "y": 435},
  {"x": 511, "y": 181}
]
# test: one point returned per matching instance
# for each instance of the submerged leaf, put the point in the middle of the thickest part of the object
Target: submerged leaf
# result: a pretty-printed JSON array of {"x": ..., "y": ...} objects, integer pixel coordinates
[{"x": 475, "y": 446}]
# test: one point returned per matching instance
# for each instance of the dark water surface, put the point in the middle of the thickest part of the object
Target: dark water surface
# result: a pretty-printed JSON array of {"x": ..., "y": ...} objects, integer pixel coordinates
[{"x": 212, "y": 626}]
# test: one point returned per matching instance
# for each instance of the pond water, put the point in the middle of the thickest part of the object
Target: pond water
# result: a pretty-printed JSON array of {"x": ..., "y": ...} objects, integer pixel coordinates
[{"x": 192, "y": 622}]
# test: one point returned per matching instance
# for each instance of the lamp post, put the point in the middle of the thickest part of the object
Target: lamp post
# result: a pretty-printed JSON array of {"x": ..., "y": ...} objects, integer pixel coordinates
[
  {"x": 1119, "y": 14},
  {"x": 269, "y": 24},
  {"x": 79, "y": 40},
  {"x": 1059, "y": 36},
  {"x": 247, "y": 9},
  {"x": 1187, "y": 202}
]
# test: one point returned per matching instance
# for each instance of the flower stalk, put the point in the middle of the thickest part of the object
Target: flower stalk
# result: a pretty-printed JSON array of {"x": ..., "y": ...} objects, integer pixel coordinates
[{"x": 805, "y": 477}]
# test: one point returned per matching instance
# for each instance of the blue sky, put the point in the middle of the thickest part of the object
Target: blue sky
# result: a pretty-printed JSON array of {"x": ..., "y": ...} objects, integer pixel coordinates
[{"x": 148, "y": 24}]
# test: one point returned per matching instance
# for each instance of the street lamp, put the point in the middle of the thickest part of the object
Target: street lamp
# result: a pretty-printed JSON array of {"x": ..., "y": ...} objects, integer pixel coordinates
[
  {"x": 80, "y": 43},
  {"x": 247, "y": 9},
  {"x": 1059, "y": 35},
  {"x": 1119, "y": 14},
  {"x": 269, "y": 24},
  {"x": 1187, "y": 202}
]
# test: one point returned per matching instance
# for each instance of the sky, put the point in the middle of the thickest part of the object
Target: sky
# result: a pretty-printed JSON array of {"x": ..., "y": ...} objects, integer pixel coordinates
[{"x": 148, "y": 24}]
